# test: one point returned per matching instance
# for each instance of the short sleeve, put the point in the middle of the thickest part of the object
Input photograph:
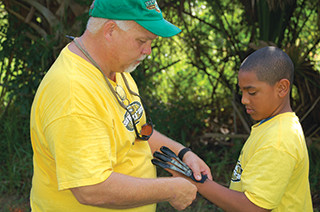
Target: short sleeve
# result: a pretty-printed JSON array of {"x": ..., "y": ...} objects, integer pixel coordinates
[
  {"x": 81, "y": 149},
  {"x": 266, "y": 176}
]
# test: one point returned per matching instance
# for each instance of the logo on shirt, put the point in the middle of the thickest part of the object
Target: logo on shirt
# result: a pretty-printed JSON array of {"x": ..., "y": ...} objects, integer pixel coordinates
[
  {"x": 152, "y": 5},
  {"x": 236, "y": 176},
  {"x": 136, "y": 111}
]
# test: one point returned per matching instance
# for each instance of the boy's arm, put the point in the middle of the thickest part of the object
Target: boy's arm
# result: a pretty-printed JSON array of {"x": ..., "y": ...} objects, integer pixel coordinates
[{"x": 227, "y": 199}]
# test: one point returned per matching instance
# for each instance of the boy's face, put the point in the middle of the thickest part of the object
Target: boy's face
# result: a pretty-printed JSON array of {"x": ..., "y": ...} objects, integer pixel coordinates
[{"x": 260, "y": 98}]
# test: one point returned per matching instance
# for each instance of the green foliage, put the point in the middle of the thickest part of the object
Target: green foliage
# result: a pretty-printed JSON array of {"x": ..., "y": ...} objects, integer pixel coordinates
[
  {"x": 16, "y": 154},
  {"x": 314, "y": 174}
]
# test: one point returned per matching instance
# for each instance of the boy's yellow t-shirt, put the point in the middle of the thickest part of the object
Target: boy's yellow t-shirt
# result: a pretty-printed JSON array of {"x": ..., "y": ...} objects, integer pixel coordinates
[
  {"x": 273, "y": 166},
  {"x": 80, "y": 135}
]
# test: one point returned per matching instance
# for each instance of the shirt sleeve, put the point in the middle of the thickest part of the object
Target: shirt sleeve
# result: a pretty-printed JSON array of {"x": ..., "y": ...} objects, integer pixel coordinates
[
  {"x": 81, "y": 149},
  {"x": 267, "y": 175}
]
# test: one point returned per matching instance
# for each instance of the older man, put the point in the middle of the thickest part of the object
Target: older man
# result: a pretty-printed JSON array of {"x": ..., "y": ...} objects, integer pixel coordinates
[{"x": 91, "y": 136}]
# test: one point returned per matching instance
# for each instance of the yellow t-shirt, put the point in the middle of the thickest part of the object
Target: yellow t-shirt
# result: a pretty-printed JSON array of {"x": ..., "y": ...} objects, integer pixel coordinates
[
  {"x": 273, "y": 166},
  {"x": 80, "y": 135}
]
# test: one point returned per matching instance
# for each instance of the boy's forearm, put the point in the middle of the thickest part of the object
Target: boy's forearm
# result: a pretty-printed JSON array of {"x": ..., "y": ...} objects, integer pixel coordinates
[{"x": 227, "y": 199}]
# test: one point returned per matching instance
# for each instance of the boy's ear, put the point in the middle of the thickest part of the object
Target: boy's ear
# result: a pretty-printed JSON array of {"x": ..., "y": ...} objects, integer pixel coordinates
[{"x": 283, "y": 87}]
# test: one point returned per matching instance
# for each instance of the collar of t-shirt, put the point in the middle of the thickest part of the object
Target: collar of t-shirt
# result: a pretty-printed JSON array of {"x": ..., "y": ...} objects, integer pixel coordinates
[{"x": 264, "y": 120}]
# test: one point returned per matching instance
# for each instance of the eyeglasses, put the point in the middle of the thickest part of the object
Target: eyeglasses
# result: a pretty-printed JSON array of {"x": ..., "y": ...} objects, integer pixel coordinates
[{"x": 146, "y": 129}]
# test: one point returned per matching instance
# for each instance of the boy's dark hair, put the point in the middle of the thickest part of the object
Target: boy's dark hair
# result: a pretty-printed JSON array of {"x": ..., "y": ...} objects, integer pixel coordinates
[{"x": 270, "y": 64}]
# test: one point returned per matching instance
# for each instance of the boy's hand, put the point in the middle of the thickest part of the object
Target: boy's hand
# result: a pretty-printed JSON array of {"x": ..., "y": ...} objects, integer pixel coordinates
[{"x": 168, "y": 160}]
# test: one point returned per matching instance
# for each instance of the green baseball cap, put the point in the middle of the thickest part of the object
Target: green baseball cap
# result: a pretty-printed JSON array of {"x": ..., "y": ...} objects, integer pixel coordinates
[{"x": 145, "y": 12}]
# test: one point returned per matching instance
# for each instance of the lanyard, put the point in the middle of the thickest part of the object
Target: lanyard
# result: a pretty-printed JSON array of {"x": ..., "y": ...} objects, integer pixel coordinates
[{"x": 106, "y": 78}]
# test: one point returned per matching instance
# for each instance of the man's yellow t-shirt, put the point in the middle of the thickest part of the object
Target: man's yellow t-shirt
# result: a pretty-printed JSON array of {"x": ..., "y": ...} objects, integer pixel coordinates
[
  {"x": 80, "y": 135},
  {"x": 273, "y": 166}
]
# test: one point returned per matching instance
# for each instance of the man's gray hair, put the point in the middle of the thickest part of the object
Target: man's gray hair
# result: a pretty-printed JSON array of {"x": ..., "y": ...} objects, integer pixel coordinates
[{"x": 94, "y": 24}]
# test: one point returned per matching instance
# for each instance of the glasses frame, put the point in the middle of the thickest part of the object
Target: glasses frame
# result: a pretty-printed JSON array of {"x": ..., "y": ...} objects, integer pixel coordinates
[{"x": 148, "y": 123}]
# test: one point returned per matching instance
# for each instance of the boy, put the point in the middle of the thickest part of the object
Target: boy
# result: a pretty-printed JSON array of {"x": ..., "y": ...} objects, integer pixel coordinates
[{"x": 272, "y": 170}]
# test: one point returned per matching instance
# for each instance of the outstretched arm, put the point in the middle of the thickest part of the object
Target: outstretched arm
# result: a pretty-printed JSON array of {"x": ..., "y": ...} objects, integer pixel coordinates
[
  {"x": 197, "y": 165},
  {"x": 227, "y": 199}
]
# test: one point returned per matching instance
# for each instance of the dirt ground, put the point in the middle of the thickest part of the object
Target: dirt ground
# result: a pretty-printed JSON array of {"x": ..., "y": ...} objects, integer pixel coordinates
[{"x": 14, "y": 204}]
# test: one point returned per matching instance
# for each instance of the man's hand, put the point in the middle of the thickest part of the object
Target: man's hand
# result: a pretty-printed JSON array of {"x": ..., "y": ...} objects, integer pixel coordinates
[
  {"x": 121, "y": 191},
  {"x": 184, "y": 192}
]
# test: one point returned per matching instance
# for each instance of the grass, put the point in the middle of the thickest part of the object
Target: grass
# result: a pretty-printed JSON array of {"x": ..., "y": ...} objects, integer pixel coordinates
[
  {"x": 15, "y": 162},
  {"x": 14, "y": 204}
]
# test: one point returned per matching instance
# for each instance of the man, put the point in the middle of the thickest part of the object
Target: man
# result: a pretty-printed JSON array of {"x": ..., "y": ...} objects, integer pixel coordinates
[{"x": 91, "y": 138}]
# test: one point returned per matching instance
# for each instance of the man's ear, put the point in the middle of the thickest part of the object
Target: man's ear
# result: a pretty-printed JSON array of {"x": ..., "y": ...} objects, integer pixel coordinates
[
  {"x": 109, "y": 29},
  {"x": 283, "y": 87}
]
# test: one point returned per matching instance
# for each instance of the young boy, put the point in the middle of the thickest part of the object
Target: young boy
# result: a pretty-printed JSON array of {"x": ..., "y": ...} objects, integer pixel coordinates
[{"x": 273, "y": 167}]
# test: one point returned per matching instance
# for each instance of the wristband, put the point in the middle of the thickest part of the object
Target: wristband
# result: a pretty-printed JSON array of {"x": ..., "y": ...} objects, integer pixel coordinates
[{"x": 183, "y": 152}]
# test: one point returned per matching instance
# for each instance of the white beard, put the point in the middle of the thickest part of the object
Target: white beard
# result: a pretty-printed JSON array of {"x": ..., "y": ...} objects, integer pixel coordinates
[{"x": 133, "y": 67}]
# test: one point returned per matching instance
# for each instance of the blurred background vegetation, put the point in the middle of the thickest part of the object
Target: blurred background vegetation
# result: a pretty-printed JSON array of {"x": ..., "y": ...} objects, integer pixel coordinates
[{"x": 189, "y": 82}]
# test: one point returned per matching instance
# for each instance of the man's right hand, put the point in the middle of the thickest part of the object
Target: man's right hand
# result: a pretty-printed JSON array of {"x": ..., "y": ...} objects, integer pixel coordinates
[
  {"x": 121, "y": 191},
  {"x": 184, "y": 192}
]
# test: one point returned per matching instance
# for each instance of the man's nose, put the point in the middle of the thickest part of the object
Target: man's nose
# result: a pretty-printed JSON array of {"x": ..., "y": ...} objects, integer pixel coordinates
[{"x": 147, "y": 49}]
